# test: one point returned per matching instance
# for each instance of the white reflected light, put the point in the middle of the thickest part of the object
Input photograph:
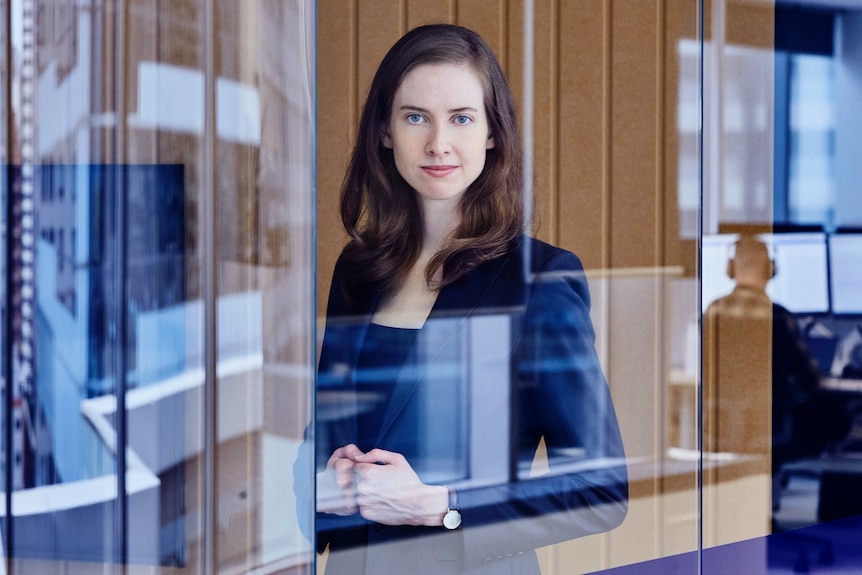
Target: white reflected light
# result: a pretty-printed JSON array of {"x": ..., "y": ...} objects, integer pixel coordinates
[{"x": 171, "y": 98}]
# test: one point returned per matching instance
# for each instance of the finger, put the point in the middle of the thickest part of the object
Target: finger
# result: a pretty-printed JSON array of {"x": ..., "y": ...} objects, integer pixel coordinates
[
  {"x": 349, "y": 451},
  {"x": 370, "y": 471},
  {"x": 341, "y": 465},
  {"x": 382, "y": 457},
  {"x": 344, "y": 473}
]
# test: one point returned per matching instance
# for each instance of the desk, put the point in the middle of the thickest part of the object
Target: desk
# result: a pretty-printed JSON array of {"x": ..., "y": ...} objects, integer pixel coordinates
[
  {"x": 682, "y": 409},
  {"x": 840, "y": 484}
]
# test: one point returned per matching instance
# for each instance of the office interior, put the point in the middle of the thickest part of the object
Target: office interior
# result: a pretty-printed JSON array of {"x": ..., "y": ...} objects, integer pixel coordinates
[{"x": 170, "y": 225}]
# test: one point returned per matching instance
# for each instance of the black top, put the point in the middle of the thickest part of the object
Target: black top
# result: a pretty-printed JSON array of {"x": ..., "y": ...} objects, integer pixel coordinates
[{"x": 381, "y": 357}]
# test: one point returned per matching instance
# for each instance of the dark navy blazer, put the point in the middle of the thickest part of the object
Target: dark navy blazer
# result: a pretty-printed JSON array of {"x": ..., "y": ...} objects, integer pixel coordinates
[{"x": 526, "y": 316}]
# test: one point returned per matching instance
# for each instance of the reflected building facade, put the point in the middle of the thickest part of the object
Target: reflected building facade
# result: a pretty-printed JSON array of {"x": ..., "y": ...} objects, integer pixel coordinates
[{"x": 108, "y": 129}]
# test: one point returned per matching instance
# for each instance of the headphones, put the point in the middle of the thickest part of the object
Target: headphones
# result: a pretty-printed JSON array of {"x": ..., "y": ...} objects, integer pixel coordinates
[{"x": 752, "y": 245}]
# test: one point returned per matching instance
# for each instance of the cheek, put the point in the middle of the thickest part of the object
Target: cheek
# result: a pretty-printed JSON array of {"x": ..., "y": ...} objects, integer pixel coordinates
[{"x": 401, "y": 161}]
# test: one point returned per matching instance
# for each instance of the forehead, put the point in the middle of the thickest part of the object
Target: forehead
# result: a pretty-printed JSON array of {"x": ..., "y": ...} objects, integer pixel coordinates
[{"x": 445, "y": 85}]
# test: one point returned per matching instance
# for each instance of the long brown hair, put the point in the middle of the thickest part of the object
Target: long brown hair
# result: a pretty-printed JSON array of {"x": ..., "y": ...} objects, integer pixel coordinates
[{"x": 380, "y": 211}]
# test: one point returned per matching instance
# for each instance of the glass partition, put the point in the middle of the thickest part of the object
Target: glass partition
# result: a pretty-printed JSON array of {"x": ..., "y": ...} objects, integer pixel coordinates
[
  {"x": 608, "y": 99},
  {"x": 778, "y": 381},
  {"x": 158, "y": 232},
  {"x": 170, "y": 231}
]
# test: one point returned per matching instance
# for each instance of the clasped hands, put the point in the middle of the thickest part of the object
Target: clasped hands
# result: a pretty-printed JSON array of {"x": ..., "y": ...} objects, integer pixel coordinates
[{"x": 380, "y": 485}]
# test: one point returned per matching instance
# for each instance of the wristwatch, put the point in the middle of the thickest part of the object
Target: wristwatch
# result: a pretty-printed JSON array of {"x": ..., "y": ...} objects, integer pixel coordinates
[{"x": 452, "y": 519}]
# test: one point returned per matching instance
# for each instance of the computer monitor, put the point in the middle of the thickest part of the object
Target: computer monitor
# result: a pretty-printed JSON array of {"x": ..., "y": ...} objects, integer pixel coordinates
[
  {"x": 845, "y": 268},
  {"x": 801, "y": 282}
]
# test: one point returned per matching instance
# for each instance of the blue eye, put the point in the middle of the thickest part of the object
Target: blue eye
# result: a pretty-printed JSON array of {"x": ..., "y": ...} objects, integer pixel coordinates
[
  {"x": 414, "y": 118},
  {"x": 462, "y": 120}
]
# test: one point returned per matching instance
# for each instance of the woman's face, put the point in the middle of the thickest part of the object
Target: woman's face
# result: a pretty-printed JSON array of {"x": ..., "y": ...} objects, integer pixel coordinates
[{"x": 438, "y": 130}]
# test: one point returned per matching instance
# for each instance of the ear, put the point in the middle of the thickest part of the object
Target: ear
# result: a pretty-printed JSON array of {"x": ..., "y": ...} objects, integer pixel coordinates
[
  {"x": 385, "y": 137},
  {"x": 490, "y": 144}
]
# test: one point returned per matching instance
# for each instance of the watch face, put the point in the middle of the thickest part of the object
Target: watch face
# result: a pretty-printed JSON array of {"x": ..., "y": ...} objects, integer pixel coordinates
[{"x": 452, "y": 519}]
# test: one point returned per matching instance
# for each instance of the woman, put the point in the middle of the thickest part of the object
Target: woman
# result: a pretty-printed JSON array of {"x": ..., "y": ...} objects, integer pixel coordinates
[{"x": 454, "y": 345}]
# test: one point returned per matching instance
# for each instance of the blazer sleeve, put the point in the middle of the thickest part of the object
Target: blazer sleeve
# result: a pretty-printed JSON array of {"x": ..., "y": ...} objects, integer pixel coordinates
[{"x": 562, "y": 397}]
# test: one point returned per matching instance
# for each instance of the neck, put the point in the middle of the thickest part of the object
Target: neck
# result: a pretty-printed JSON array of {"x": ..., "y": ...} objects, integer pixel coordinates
[
  {"x": 753, "y": 283},
  {"x": 439, "y": 218}
]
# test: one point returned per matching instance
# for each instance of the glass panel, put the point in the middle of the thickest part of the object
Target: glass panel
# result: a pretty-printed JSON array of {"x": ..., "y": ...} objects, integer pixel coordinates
[
  {"x": 736, "y": 346},
  {"x": 66, "y": 340},
  {"x": 164, "y": 138},
  {"x": 490, "y": 396},
  {"x": 780, "y": 391},
  {"x": 163, "y": 300},
  {"x": 824, "y": 118},
  {"x": 264, "y": 63}
]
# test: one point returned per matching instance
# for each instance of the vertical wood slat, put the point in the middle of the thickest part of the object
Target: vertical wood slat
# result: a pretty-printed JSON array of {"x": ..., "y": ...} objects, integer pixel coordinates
[
  {"x": 423, "y": 12},
  {"x": 634, "y": 225},
  {"x": 337, "y": 117},
  {"x": 681, "y": 22},
  {"x": 546, "y": 120},
  {"x": 379, "y": 24},
  {"x": 582, "y": 153},
  {"x": 634, "y": 107},
  {"x": 490, "y": 19}
]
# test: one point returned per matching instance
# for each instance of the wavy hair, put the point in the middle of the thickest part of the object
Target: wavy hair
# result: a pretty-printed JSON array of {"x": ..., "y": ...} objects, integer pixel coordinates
[{"x": 379, "y": 209}]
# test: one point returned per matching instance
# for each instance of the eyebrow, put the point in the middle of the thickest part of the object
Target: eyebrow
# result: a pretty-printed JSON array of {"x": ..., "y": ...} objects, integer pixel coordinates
[{"x": 451, "y": 111}]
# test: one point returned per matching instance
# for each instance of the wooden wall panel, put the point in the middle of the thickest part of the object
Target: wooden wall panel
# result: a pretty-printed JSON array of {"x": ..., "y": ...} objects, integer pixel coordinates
[
  {"x": 423, "y": 12},
  {"x": 545, "y": 136},
  {"x": 337, "y": 117},
  {"x": 634, "y": 200},
  {"x": 635, "y": 141},
  {"x": 490, "y": 19},
  {"x": 582, "y": 217},
  {"x": 680, "y": 23},
  {"x": 379, "y": 25},
  {"x": 605, "y": 83}
]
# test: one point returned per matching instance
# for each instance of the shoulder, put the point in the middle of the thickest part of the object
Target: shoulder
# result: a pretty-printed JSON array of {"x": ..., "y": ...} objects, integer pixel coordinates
[
  {"x": 539, "y": 257},
  {"x": 553, "y": 270},
  {"x": 780, "y": 310},
  {"x": 784, "y": 319},
  {"x": 347, "y": 296}
]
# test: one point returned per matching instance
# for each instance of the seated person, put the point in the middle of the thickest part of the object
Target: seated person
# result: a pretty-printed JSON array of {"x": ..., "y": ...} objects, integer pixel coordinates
[{"x": 754, "y": 356}]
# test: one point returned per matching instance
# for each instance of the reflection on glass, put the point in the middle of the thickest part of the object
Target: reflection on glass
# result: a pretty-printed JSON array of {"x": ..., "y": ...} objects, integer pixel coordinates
[
  {"x": 845, "y": 266},
  {"x": 688, "y": 127},
  {"x": 112, "y": 180},
  {"x": 811, "y": 154},
  {"x": 467, "y": 410},
  {"x": 779, "y": 353},
  {"x": 801, "y": 278}
]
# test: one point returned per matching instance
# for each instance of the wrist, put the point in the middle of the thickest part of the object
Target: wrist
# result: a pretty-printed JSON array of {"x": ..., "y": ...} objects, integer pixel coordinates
[{"x": 438, "y": 505}]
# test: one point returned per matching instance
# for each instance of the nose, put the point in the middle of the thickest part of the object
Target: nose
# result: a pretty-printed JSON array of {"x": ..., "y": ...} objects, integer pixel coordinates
[{"x": 438, "y": 142}]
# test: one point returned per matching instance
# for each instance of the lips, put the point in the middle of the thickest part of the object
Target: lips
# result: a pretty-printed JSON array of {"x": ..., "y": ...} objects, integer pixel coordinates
[{"x": 439, "y": 171}]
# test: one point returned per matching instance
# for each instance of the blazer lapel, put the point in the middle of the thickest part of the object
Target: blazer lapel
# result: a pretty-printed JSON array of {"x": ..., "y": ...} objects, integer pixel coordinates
[{"x": 455, "y": 303}]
